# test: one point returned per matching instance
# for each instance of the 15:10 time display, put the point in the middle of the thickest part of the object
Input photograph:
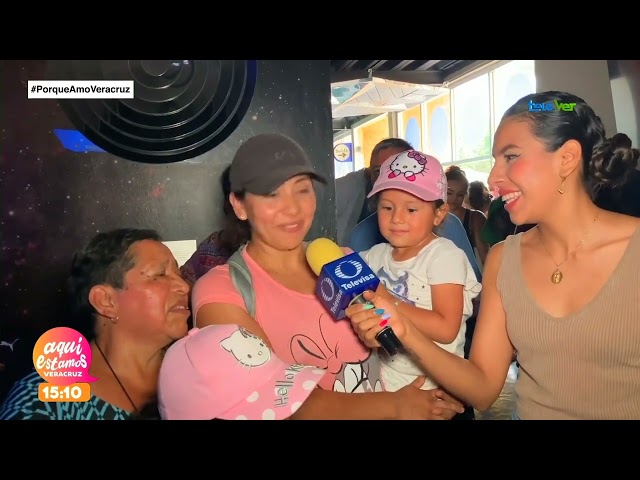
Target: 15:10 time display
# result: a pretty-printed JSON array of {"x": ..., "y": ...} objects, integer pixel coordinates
[{"x": 76, "y": 392}]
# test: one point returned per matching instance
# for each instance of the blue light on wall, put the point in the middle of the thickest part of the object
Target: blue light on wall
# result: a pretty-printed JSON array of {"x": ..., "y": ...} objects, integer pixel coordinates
[
  {"x": 412, "y": 133},
  {"x": 439, "y": 134},
  {"x": 75, "y": 141}
]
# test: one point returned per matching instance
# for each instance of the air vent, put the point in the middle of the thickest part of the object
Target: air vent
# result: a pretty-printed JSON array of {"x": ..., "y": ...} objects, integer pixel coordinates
[{"x": 181, "y": 109}]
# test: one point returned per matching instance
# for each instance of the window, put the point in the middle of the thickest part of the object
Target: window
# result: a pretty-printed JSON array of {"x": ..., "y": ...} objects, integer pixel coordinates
[
  {"x": 478, "y": 106},
  {"x": 511, "y": 82},
  {"x": 456, "y": 127},
  {"x": 472, "y": 119}
]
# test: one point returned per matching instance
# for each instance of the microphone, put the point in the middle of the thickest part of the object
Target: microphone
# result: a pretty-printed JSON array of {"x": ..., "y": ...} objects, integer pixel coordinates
[{"x": 342, "y": 281}]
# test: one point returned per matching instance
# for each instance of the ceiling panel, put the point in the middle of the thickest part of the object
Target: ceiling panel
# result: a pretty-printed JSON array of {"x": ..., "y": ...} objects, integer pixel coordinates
[{"x": 369, "y": 87}]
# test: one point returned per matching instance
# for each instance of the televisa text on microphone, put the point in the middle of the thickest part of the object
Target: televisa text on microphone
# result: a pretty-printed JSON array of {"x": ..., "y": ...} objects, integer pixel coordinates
[{"x": 341, "y": 278}]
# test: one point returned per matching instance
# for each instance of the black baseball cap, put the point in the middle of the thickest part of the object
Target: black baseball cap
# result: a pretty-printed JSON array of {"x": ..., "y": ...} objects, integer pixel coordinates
[{"x": 266, "y": 161}]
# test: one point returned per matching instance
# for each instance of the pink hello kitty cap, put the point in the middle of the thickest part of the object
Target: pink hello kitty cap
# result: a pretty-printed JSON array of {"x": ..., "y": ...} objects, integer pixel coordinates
[
  {"x": 225, "y": 372},
  {"x": 415, "y": 173}
]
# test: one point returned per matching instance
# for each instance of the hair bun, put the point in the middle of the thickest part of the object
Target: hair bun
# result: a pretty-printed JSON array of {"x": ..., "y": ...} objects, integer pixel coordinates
[
  {"x": 613, "y": 161},
  {"x": 620, "y": 140},
  {"x": 455, "y": 168}
]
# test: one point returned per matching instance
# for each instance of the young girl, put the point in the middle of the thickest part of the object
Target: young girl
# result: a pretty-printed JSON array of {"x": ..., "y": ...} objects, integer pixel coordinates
[{"x": 428, "y": 277}]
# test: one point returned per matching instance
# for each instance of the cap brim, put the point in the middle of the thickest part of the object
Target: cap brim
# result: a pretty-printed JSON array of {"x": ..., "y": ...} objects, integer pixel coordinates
[
  {"x": 269, "y": 183},
  {"x": 278, "y": 397},
  {"x": 402, "y": 185}
]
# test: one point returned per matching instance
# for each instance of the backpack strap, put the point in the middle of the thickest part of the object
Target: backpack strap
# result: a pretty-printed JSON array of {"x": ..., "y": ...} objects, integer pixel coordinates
[{"x": 241, "y": 278}]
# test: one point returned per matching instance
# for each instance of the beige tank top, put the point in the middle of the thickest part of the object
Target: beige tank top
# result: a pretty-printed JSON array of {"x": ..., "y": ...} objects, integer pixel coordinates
[{"x": 585, "y": 365}]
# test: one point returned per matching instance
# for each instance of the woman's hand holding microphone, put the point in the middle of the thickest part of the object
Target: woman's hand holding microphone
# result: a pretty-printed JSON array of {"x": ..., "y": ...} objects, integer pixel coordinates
[{"x": 381, "y": 312}]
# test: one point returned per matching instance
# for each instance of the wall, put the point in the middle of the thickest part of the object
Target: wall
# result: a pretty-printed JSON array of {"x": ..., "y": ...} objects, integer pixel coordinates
[
  {"x": 55, "y": 200},
  {"x": 368, "y": 136},
  {"x": 625, "y": 87},
  {"x": 588, "y": 79}
]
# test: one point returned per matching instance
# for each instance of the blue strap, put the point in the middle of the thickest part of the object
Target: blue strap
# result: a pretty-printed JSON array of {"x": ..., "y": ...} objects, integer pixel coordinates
[{"x": 241, "y": 279}]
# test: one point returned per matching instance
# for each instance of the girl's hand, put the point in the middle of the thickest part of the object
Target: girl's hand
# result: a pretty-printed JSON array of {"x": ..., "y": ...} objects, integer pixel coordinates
[{"x": 369, "y": 320}]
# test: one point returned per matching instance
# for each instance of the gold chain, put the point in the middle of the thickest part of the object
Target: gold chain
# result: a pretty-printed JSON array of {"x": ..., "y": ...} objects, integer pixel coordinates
[{"x": 556, "y": 276}]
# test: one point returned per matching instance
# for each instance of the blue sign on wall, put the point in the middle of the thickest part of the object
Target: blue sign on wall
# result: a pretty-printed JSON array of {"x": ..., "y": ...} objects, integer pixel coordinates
[{"x": 343, "y": 152}]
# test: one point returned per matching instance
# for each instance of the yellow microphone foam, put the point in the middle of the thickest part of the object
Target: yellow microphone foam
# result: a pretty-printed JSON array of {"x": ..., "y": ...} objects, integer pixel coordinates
[{"x": 322, "y": 251}]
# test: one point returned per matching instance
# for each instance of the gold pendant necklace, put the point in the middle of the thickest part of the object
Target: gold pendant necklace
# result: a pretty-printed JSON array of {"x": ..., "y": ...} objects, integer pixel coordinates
[{"x": 557, "y": 276}]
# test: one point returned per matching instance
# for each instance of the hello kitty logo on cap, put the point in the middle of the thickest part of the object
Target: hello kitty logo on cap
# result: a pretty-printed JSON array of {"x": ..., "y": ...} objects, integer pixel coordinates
[
  {"x": 413, "y": 172},
  {"x": 225, "y": 372}
]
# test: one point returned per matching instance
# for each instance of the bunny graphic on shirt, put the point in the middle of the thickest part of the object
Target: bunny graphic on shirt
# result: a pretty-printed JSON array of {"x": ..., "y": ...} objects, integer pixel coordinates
[
  {"x": 338, "y": 350},
  {"x": 248, "y": 349},
  {"x": 398, "y": 287},
  {"x": 356, "y": 378}
]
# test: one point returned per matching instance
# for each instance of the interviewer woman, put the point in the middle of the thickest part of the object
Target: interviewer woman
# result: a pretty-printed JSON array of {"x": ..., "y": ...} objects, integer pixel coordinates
[{"x": 565, "y": 293}]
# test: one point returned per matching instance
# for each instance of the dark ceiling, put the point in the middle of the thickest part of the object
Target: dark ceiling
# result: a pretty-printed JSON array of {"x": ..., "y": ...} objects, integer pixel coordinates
[{"x": 426, "y": 72}]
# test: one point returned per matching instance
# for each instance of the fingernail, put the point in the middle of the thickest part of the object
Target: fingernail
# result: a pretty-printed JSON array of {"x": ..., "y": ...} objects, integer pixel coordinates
[
  {"x": 386, "y": 316},
  {"x": 383, "y": 323},
  {"x": 379, "y": 311},
  {"x": 369, "y": 306}
]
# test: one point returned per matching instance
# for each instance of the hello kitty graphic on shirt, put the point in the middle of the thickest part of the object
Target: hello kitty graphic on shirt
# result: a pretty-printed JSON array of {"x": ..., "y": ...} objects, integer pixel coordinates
[
  {"x": 412, "y": 164},
  {"x": 249, "y": 350}
]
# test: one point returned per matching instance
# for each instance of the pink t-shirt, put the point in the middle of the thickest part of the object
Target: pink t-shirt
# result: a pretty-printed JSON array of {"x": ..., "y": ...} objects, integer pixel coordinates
[{"x": 298, "y": 327}]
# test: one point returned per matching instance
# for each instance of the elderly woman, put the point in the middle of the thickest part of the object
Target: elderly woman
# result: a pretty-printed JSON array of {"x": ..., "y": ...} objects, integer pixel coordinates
[
  {"x": 127, "y": 283},
  {"x": 274, "y": 201}
]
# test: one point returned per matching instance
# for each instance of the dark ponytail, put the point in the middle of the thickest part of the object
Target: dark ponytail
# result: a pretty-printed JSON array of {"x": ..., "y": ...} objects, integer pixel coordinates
[
  {"x": 613, "y": 161},
  {"x": 236, "y": 232},
  {"x": 619, "y": 184}
]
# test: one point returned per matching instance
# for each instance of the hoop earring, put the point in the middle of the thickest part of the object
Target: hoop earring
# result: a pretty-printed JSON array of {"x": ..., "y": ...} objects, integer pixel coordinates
[
  {"x": 242, "y": 217},
  {"x": 561, "y": 190}
]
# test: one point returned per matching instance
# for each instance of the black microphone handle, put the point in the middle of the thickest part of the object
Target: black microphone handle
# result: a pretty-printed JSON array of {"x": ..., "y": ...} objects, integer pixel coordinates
[{"x": 385, "y": 337}]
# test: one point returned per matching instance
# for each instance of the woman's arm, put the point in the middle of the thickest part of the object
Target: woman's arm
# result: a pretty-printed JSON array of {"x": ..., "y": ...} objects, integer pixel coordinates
[
  {"x": 226, "y": 313},
  {"x": 477, "y": 381},
  {"x": 407, "y": 403}
]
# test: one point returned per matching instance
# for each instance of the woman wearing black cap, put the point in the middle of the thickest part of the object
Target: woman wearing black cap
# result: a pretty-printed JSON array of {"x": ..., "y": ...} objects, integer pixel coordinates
[{"x": 274, "y": 201}]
